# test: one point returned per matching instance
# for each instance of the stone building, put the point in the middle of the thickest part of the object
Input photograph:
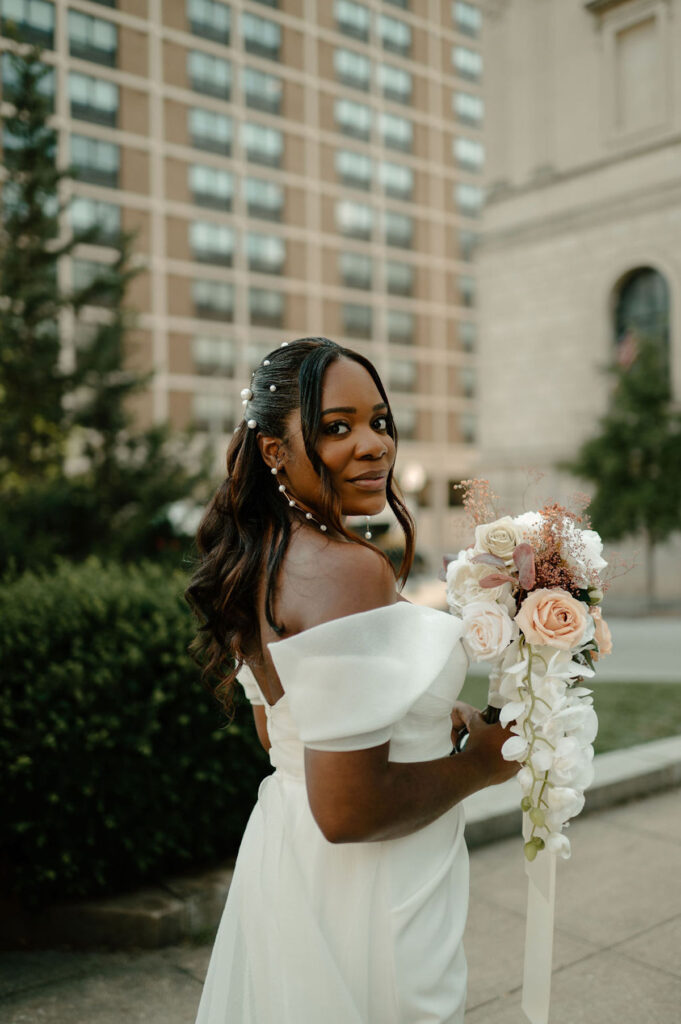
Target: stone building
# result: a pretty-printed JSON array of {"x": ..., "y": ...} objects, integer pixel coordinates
[{"x": 582, "y": 230}]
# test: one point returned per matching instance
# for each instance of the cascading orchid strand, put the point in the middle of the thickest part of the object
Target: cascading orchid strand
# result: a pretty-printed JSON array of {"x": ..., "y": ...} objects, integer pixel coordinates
[{"x": 528, "y": 592}]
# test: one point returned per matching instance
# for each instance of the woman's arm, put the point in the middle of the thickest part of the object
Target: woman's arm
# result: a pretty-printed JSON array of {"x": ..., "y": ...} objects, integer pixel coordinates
[{"x": 361, "y": 796}]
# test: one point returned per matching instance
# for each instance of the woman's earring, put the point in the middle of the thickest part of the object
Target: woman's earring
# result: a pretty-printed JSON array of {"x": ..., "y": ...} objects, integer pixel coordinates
[
  {"x": 274, "y": 470},
  {"x": 368, "y": 531}
]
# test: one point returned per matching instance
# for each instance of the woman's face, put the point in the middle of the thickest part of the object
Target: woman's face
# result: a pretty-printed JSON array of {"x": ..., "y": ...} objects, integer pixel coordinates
[{"x": 354, "y": 443}]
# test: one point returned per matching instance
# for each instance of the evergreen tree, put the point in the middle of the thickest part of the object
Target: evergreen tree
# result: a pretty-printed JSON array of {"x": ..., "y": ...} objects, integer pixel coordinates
[
  {"x": 635, "y": 459},
  {"x": 54, "y": 418}
]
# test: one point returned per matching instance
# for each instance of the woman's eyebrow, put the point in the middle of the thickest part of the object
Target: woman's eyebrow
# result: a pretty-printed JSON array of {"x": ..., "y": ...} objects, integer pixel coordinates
[{"x": 351, "y": 408}]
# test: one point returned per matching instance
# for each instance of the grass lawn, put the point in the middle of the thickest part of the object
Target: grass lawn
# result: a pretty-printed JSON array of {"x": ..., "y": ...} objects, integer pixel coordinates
[{"x": 628, "y": 713}]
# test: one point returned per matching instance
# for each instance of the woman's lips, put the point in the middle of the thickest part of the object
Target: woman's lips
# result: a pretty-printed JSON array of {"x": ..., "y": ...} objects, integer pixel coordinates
[{"x": 376, "y": 483}]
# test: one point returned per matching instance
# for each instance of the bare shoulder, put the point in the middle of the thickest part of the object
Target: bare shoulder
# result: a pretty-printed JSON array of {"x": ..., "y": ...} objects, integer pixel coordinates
[{"x": 326, "y": 579}]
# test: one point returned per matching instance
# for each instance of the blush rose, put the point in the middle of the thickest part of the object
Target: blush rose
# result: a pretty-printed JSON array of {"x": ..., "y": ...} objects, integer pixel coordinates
[
  {"x": 554, "y": 618},
  {"x": 603, "y": 635}
]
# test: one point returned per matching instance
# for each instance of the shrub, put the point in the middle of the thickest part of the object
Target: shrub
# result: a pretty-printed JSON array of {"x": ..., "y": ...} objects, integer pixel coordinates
[{"x": 118, "y": 767}]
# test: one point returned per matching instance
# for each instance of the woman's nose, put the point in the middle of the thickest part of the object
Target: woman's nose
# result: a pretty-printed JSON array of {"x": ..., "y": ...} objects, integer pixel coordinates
[{"x": 369, "y": 444}]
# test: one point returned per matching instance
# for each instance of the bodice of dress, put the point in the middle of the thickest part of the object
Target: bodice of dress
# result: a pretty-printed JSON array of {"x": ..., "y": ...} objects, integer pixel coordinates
[{"x": 392, "y": 673}]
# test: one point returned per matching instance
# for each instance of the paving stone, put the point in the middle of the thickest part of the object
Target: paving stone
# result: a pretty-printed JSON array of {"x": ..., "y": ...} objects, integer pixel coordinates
[{"x": 659, "y": 946}]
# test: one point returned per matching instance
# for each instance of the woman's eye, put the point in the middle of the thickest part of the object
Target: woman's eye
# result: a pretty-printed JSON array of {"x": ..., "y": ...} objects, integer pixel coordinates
[
  {"x": 381, "y": 423},
  {"x": 337, "y": 428}
]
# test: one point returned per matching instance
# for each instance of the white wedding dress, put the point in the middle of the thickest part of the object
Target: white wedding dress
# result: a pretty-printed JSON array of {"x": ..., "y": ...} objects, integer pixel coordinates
[{"x": 359, "y": 933}]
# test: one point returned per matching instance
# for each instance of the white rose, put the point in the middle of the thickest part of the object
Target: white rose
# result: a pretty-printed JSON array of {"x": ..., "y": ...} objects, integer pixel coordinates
[
  {"x": 498, "y": 538},
  {"x": 526, "y": 524},
  {"x": 487, "y": 630},
  {"x": 582, "y": 550},
  {"x": 463, "y": 582}
]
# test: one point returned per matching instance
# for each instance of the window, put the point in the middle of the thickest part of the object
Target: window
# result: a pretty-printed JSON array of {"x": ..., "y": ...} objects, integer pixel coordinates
[
  {"x": 356, "y": 320},
  {"x": 355, "y": 269},
  {"x": 467, "y": 377},
  {"x": 264, "y": 198},
  {"x": 213, "y": 299},
  {"x": 468, "y": 242},
  {"x": 396, "y": 132},
  {"x": 642, "y": 312},
  {"x": 261, "y": 36},
  {"x": 403, "y": 375},
  {"x": 468, "y": 198},
  {"x": 353, "y": 168},
  {"x": 210, "y": 19},
  {"x": 214, "y": 354},
  {"x": 93, "y": 99},
  {"x": 211, "y": 186},
  {"x": 352, "y": 68},
  {"x": 353, "y": 118},
  {"x": 33, "y": 18},
  {"x": 404, "y": 4},
  {"x": 211, "y": 243},
  {"x": 356, "y": 220},
  {"x": 93, "y": 39},
  {"x": 86, "y": 214},
  {"x": 399, "y": 229},
  {"x": 468, "y": 335},
  {"x": 90, "y": 274},
  {"x": 396, "y": 180},
  {"x": 468, "y": 427},
  {"x": 468, "y": 153},
  {"x": 406, "y": 421},
  {"x": 265, "y": 253},
  {"x": 352, "y": 19},
  {"x": 96, "y": 161},
  {"x": 400, "y": 327},
  {"x": 467, "y": 290},
  {"x": 265, "y": 307},
  {"x": 10, "y": 81},
  {"x": 395, "y": 35},
  {"x": 394, "y": 83},
  {"x": 467, "y": 18},
  {"x": 467, "y": 63},
  {"x": 208, "y": 74},
  {"x": 262, "y": 145},
  {"x": 211, "y": 131},
  {"x": 469, "y": 109},
  {"x": 213, "y": 413},
  {"x": 262, "y": 91},
  {"x": 399, "y": 278}
]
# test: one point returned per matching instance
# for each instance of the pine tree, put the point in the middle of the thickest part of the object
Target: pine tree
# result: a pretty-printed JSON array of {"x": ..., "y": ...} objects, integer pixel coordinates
[
  {"x": 635, "y": 459},
  {"x": 114, "y": 502},
  {"x": 32, "y": 387}
]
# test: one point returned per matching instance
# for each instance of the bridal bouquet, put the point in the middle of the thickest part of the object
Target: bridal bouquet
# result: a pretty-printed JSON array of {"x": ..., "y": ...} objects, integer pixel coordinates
[{"x": 529, "y": 592}]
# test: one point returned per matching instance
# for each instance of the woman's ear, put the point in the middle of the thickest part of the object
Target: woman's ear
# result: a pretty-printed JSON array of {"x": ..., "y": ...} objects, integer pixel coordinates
[{"x": 270, "y": 449}]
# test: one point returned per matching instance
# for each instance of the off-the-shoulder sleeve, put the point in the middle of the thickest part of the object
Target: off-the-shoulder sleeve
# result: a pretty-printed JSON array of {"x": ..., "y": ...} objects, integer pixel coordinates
[
  {"x": 251, "y": 689},
  {"x": 349, "y": 680}
]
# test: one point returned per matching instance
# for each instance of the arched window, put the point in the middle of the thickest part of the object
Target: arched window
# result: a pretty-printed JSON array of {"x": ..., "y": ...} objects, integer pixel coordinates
[{"x": 642, "y": 310}]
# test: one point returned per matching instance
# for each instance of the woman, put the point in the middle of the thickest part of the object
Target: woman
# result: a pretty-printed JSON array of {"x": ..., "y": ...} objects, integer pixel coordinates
[{"x": 349, "y": 895}]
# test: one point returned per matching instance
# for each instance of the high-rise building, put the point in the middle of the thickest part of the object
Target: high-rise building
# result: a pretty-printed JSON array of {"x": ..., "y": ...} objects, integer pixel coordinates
[{"x": 301, "y": 167}]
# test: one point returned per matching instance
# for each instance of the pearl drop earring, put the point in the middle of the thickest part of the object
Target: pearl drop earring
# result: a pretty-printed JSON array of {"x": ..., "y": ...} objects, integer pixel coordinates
[{"x": 367, "y": 535}]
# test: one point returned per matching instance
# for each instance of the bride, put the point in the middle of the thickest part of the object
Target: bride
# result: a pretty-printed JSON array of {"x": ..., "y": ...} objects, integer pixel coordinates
[{"x": 350, "y": 891}]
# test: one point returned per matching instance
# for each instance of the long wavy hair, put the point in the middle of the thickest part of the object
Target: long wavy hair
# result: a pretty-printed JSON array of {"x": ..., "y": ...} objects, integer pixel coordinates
[{"x": 246, "y": 528}]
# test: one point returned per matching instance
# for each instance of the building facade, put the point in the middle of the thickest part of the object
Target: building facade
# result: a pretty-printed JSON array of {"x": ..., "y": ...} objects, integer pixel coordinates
[
  {"x": 582, "y": 230},
  {"x": 292, "y": 168}
]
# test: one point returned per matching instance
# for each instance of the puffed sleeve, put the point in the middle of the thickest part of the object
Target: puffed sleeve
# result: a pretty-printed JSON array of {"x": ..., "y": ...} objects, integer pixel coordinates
[
  {"x": 350, "y": 680},
  {"x": 250, "y": 687}
]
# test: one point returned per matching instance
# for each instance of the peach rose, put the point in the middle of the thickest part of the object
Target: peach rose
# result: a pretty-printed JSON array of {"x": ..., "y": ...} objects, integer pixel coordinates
[
  {"x": 603, "y": 635},
  {"x": 553, "y": 617}
]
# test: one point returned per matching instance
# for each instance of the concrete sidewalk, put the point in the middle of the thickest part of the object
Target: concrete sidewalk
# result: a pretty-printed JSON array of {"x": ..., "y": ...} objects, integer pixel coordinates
[{"x": 618, "y": 935}]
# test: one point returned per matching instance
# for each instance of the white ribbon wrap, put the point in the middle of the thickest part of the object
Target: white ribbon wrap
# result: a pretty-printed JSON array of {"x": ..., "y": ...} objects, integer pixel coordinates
[{"x": 541, "y": 894}]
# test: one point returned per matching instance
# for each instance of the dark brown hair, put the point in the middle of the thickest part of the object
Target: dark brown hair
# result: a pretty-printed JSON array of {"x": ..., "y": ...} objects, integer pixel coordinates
[{"x": 246, "y": 528}]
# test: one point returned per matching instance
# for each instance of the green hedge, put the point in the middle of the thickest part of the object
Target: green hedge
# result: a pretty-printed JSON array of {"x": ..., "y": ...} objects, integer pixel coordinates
[{"x": 117, "y": 765}]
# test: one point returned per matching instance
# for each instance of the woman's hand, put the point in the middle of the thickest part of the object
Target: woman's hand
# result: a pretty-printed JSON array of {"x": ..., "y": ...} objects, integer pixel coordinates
[
  {"x": 461, "y": 712},
  {"x": 485, "y": 742}
]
